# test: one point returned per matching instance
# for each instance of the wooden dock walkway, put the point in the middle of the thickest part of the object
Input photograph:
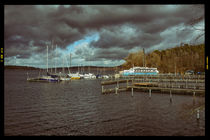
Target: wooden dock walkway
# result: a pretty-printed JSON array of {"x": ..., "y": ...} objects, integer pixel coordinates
[
  {"x": 110, "y": 82},
  {"x": 177, "y": 86},
  {"x": 156, "y": 90}
]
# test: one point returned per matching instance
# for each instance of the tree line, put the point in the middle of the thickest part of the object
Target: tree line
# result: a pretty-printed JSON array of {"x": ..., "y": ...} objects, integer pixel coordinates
[{"x": 177, "y": 59}]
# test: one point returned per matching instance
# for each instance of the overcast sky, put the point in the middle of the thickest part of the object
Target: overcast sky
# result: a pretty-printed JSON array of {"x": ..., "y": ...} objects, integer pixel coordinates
[{"x": 99, "y": 35}]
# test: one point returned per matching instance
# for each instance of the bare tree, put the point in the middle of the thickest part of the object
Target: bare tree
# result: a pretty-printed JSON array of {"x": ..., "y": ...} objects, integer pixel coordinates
[{"x": 198, "y": 11}]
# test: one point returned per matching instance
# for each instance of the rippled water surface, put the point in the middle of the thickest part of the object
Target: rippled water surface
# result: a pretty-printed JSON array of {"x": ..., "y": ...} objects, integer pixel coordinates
[{"x": 79, "y": 108}]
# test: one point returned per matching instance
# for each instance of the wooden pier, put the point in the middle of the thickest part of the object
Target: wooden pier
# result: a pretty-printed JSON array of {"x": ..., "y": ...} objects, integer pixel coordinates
[{"x": 189, "y": 86}]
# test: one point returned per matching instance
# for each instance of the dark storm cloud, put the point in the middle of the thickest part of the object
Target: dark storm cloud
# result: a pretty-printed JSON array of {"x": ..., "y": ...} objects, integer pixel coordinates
[
  {"x": 100, "y": 54},
  {"x": 149, "y": 22},
  {"x": 18, "y": 51},
  {"x": 112, "y": 54},
  {"x": 32, "y": 23},
  {"x": 28, "y": 29},
  {"x": 126, "y": 37}
]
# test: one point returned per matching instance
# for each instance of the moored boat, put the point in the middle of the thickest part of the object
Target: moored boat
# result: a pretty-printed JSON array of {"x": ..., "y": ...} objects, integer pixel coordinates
[
  {"x": 89, "y": 76},
  {"x": 74, "y": 75},
  {"x": 140, "y": 71},
  {"x": 43, "y": 79}
]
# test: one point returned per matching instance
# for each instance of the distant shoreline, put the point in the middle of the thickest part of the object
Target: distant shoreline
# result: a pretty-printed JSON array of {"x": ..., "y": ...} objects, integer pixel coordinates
[
  {"x": 20, "y": 67},
  {"x": 72, "y": 68}
]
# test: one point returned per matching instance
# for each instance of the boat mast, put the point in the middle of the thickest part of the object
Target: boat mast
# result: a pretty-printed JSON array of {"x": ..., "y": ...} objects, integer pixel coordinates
[
  {"x": 51, "y": 61},
  {"x": 55, "y": 57},
  {"x": 89, "y": 65},
  {"x": 63, "y": 64},
  {"x": 47, "y": 58},
  {"x": 145, "y": 64},
  {"x": 70, "y": 62},
  {"x": 143, "y": 59},
  {"x": 67, "y": 63}
]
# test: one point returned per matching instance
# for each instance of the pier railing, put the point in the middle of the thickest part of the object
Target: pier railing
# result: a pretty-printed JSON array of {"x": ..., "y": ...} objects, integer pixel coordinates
[
  {"x": 162, "y": 76},
  {"x": 183, "y": 84}
]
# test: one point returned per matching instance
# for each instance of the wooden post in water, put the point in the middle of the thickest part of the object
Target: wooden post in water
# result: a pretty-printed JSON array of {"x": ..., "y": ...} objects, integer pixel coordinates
[
  {"x": 132, "y": 92},
  {"x": 102, "y": 89},
  {"x": 170, "y": 97},
  {"x": 193, "y": 97},
  {"x": 116, "y": 88},
  {"x": 198, "y": 114},
  {"x": 186, "y": 83},
  {"x": 150, "y": 94}
]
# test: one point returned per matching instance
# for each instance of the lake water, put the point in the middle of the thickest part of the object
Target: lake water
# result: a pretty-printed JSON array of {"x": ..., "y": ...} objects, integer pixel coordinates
[{"x": 79, "y": 108}]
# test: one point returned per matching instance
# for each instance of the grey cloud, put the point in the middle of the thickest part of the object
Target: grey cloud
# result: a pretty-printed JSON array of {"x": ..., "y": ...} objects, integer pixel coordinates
[
  {"x": 116, "y": 38},
  {"x": 64, "y": 25},
  {"x": 111, "y": 54},
  {"x": 101, "y": 54},
  {"x": 34, "y": 24}
]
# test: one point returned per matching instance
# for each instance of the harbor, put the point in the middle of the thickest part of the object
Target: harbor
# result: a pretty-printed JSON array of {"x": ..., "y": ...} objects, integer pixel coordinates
[{"x": 104, "y": 70}]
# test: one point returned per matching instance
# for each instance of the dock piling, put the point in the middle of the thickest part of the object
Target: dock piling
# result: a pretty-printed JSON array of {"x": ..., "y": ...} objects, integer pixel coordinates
[
  {"x": 186, "y": 83},
  {"x": 198, "y": 114},
  {"x": 102, "y": 89},
  {"x": 193, "y": 97},
  {"x": 132, "y": 92},
  {"x": 170, "y": 97},
  {"x": 116, "y": 88},
  {"x": 150, "y": 94}
]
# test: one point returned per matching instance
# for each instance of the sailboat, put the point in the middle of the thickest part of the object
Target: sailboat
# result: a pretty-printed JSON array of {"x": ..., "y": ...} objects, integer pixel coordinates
[
  {"x": 48, "y": 78},
  {"x": 76, "y": 75},
  {"x": 61, "y": 75}
]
